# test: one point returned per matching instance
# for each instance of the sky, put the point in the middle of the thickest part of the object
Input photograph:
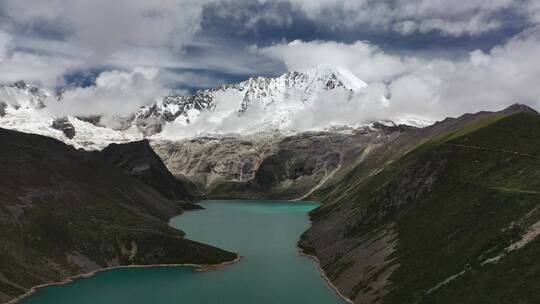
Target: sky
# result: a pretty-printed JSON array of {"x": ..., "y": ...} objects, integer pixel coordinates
[{"x": 431, "y": 58}]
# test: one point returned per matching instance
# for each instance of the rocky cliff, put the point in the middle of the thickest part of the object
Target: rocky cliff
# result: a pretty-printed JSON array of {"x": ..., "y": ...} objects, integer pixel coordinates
[{"x": 273, "y": 166}]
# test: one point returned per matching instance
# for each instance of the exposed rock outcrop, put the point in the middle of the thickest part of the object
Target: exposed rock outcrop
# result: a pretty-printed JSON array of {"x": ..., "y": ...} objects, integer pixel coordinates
[
  {"x": 65, "y": 126},
  {"x": 278, "y": 166}
]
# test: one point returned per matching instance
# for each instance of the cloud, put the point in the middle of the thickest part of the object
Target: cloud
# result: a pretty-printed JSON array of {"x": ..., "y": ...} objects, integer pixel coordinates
[
  {"x": 399, "y": 87},
  {"x": 253, "y": 14},
  {"x": 431, "y": 87},
  {"x": 532, "y": 10},
  {"x": 33, "y": 67},
  {"x": 125, "y": 34},
  {"x": 5, "y": 43},
  {"x": 59, "y": 36},
  {"x": 114, "y": 93},
  {"x": 42, "y": 41},
  {"x": 366, "y": 61},
  {"x": 107, "y": 27},
  {"x": 406, "y": 17},
  {"x": 453, "y": 18},
  {"x": 146, "y": 46}
]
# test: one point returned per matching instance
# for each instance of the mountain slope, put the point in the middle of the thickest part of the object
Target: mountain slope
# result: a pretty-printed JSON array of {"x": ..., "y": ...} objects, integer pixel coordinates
[
  {"x": 64, "y": 212},
  {"x": 363, "y": 162},
  {"x": 137, "y": 159},
  {"x": 298, "y": 164},
  {"x": 442, "y": 222}
]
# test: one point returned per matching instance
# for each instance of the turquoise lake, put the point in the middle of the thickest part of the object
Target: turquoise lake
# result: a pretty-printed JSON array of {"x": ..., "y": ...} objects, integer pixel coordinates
[{"x": 271, "y": 270}]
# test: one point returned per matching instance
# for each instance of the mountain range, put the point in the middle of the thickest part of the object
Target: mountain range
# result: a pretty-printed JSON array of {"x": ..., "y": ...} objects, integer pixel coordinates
[
  {"x": 443, "y": 213},
  {"x": 257, "y": 105}
]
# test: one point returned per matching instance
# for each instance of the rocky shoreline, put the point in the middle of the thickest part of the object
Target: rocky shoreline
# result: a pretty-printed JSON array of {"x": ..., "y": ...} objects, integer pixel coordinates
[{"x": 324, "y": 276}]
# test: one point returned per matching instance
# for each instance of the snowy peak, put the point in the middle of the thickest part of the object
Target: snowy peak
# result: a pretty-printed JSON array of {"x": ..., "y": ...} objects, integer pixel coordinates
[
  {"x": 20, "y": 95},
  {"x": 303, "y": 85},
  {"x": 335, "y": 76},
  {"x": 293, "y": 102},
  {"x": 275, "y": 94}
]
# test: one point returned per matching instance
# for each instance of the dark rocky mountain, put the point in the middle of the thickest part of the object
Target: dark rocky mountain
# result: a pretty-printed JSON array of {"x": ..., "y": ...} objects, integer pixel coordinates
[
  {"x": 65, "y": 212},
  {"x": 65, "y": 126},
  {"x": 445, "y": 214},
  {"x": 137, "y": 159}
]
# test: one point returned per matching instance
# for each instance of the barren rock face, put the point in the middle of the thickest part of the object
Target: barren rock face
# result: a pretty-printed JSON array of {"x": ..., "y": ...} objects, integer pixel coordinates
[
  {"x": 65, "y": 126},
  {"x": 271, "y": 166},
  {"x": 206, "y": 161}
]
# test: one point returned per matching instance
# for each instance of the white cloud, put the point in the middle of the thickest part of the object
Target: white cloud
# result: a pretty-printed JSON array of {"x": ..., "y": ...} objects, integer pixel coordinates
[
  {"x": 124, "y": 35},
  {"x": 107, "y": 27},
  {"x": 116, "y": 35},
  {"x": 5, "y": 44},
  {"x": 366, "y": 61},
  {"x": 114, "y": 93},
  {"x": 431, "y": 87},
  {"x": 532, "y": 10},
  {"x": 57, "y": 36},
  {"x": 37, "y": 68}
]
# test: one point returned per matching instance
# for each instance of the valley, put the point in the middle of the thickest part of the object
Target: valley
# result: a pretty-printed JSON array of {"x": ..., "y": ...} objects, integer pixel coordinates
[
  {"x": 470, "y": 179},
  {"x": 269, "y": 152},
  {"x": 396, "y": 199},
  {"x": 270, "y": 270}
]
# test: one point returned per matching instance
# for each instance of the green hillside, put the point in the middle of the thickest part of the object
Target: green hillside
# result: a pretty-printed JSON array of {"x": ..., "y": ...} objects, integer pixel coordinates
[{"x": 457, "y": 205}]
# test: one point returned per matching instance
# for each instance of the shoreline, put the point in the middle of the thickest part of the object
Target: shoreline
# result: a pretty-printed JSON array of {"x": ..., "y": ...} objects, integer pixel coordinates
[
  {"x": 198, "y": 267},
  {"x": 317, "y": 262},
  {"x": 324, "y": 276},
  {"x": 260, "y": 199}
]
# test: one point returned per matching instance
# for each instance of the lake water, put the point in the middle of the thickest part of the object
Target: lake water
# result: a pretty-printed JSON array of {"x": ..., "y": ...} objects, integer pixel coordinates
[{"x": 271, "y": 270}]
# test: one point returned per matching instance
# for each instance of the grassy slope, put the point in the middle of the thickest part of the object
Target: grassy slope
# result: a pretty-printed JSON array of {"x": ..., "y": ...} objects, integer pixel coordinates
[
  {"x": 467, "y": 219},
  {"x": 487, "y": 176},
  {"x": 56, "y": 202}
]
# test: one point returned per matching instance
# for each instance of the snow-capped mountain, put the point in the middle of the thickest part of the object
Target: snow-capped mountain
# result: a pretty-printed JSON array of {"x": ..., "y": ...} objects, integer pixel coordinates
[
  {"x": 20, "y": 95},
  {"x": 277, "y": 96},
  {"x": 257, "y": 105},
  {"x": 23, "y": 107}
]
